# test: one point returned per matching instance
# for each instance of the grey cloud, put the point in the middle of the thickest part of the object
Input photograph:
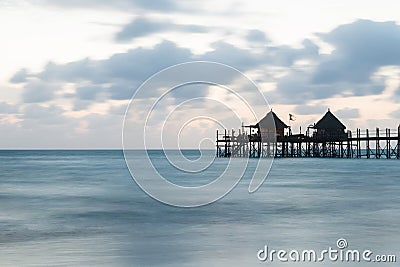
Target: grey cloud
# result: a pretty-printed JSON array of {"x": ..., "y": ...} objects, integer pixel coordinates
[
  {"x": 118, "y": 76},
  {"x": 6, "y": 108},
  {"x": 142, "y": 27},
  {"x": 121, "y": 91},
  {"x": 122, "y": 73},
  {"x": 36, "y": 92},
  {"x": 118, "y": 110},
  {"x": 257, "y": 36},
  {"x": 397, "y": 92},
  {"x": 298, "y": 87},
  {"x": 286, "y": 55},
  {"x": 246, "y": 59},
  {"x": 126, "y": 71},
  {"x": 35, "y": 113},
  {"x": 226, "y": 53},
  {"x": 87, "y": 95},
  {"x": 360, "y": 49},
  {"x": 77, "y": 71},
  {"x": 188, "y": 92},
  {"x": 139, "y": 64},
  {"x": 81, "y": 104},
  {"x": 134, "y": 65},
  {"x": 88, "y": 92},
  {"x": 20, "y": 77},
  {"x": 348, "y": 113},
  {"x": 395, "y": 114}
]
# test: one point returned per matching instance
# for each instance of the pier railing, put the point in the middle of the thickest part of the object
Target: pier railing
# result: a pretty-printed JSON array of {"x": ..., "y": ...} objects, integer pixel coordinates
[{"x": 378, "y": 143}]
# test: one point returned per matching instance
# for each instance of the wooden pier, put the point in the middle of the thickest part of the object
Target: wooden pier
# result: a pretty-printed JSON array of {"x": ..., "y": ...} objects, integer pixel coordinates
[{"x": 325, "y": 139}]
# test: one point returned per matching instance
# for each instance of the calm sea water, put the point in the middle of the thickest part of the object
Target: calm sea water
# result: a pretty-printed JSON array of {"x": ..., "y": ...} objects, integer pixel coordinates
[{"x": 81, "y": 208}]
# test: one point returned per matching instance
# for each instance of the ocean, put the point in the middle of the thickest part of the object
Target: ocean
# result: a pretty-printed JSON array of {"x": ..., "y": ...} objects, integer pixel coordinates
[{"x": 82, "y": 208}]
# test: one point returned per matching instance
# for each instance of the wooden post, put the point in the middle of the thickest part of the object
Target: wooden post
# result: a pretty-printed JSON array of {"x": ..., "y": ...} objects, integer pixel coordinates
[
  {"x": 378, "y": 147},
  {"x": 368, "y": 149},
  {"x": 358, "y": 143},
  {"x": 298, "y": 149},
  {"x": 314, "y": 149},
  {"x": 357, "y": 137},
  {"x": 226, "y": 145},
  {"x": 217, "y": 146},
  {"x": 388, "y": 145},
  {"x": 240, "y": 143},
  {"x": 292, "y": 149},
  {"x": 349, "y": 149}
]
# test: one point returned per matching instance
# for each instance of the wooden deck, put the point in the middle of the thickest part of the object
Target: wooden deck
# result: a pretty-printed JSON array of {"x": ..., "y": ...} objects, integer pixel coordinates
[{"x": 360, "y": 144}]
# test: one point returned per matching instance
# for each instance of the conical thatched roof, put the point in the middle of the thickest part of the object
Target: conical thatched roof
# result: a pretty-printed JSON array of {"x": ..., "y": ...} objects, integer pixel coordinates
[
  {"x": 266, "y": 122},
  {"x": 329, "y": 121}
]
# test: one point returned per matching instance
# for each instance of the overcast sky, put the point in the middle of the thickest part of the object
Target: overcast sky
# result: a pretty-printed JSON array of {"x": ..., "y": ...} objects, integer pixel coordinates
[{"x": 68, "y": 68}]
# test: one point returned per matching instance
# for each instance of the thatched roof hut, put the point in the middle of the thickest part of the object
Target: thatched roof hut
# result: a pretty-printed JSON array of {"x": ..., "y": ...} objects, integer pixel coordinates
[
  {"x": 271, "y": 123},
  {"x": 329, "y": 125}
]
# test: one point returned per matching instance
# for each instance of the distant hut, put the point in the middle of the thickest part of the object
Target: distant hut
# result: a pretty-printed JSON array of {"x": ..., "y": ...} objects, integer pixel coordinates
[
  {"x": 271, "y": 126},
  {"x": 329, "y": 127}
]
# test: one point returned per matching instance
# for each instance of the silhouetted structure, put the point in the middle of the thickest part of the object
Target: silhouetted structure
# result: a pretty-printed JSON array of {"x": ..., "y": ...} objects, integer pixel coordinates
[
  {"x": 326, "y": 138},
  {"x": 270, "y": 124},
  {"x": 329, "y": 127}
]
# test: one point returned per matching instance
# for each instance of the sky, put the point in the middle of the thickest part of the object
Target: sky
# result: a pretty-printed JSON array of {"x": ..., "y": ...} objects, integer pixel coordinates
[{"x": 69, "y": 68}]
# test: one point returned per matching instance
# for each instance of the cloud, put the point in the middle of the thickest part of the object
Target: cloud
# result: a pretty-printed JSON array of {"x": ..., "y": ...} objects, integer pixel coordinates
[
  {"x": 347, "y": 71},
  {"x": 88, "y": 92},
  {"x": 77, "y": 71},
  {"x": 86, "y": 95},
  {"x": 361, "y": 48},
  {"x": 20, "y": 76},
  {"x": 137, "y": 64},
  {"x": 119, "y": 75},
  {"x": 226, "y": 53},
  {"x": 309, "y": 109},
  {"x": 123, "y": 72},
  {"x": 42, "y": 126},
  {"x": 121, "y": 91},
  {"x": 297, "y": 87},
  {"x": 257, "y": 36},
  {"x": 287, "y": 56},
  {"x": 36, "y": 113},
  {"x": 348, "y": 113},
  {"x": 142, "y": 27},
  {"x": 38, "y": 91},
  {"x": 6, "y": 108},
  {"x": 395, "y": 114}
]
